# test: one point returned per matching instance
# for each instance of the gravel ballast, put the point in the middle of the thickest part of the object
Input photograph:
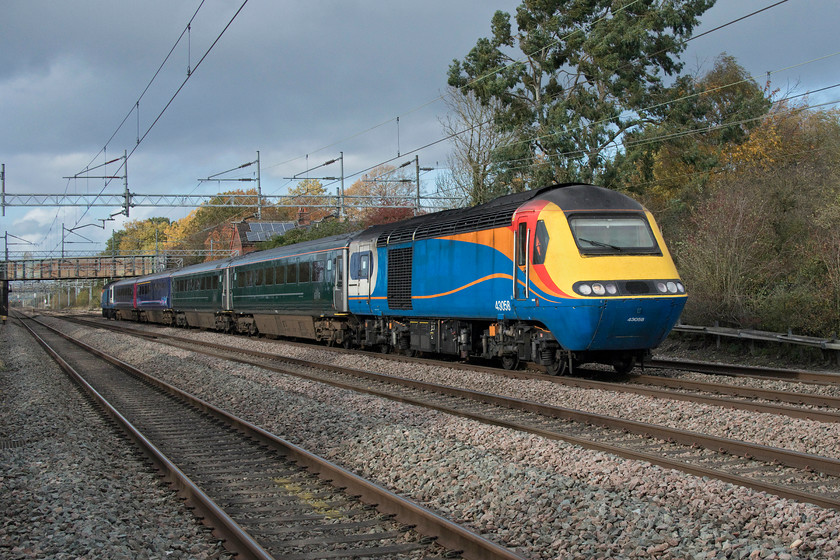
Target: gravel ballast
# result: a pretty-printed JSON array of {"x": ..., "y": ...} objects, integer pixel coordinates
[
  {"x": 70, "y": 487},
  {"x": 548, "y": 499}
]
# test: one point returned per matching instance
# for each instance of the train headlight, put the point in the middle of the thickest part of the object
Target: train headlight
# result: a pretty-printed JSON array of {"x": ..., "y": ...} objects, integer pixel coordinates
[
  {"x": 680, "y": 287},
  {"x": 672, "y": 287},
  {"x": 661, "y": 287},
  {"x": 611, "y": 288},
  {"x": 598, "y": 289},
  {"x": 585, "y": 289}
]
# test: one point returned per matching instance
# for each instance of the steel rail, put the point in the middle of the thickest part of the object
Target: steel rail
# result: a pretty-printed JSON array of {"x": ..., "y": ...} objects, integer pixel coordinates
[
  {"x": 790, "y": 458},
  {"x": 236, "y": 539},
  {"x": 787, "y": 457},
  {"x": 746, "y": 371},
  {"x": 634, "y": 385},
  {"x": 742, "y": 391},
  {"x": 448, "y": 534}
]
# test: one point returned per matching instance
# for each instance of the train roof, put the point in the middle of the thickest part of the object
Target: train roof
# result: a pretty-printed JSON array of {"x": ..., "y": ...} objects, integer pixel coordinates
[
  {"x": 155, "y": 276},
  {"x": 498, "y": 213},
  {"x": 303, "y": 248},
  {"x": 589, "y": 198},
  {"x": 491, "y": 214},
  {"x": 201, "y": 267},
  {"x": 121, "y": 281}
]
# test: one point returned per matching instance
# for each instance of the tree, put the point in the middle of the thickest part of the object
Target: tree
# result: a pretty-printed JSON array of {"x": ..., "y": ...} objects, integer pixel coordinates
[
  {"x": 386, "y": 194},
  {"x": 475, "y": 140},
  {"x": 139, "y": 236},
  {"x": 762, "y": 247},
  {"x": 668, "y": 161},
  {"x": 826, "y": 247},
  {"x": 728, "y": 258},
  {"x": 192, "y": 232},
  {"x": 317, "y": 231},
  {"x": 311, "y": 199},
  {"x": 588, "y": 72}
]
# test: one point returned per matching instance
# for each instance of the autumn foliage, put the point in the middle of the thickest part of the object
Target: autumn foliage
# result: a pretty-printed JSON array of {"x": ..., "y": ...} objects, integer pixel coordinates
[{"x": 760, "y": 246}]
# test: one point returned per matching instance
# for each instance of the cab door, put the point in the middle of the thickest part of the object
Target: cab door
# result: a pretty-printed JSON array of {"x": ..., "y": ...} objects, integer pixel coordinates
[
  {"x": 522, "y": 258},
  {"x": 359, "y": 276}
]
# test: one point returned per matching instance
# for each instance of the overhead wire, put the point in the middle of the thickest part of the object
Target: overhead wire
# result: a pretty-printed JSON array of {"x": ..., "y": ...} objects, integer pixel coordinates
[
  {"x": 171, "y": 99},
  {"x": 518, "y": 61},
  {"x": 423, "y": 147},
  {"x": 442, "y": 96},
  {"x": 135, "y": 107}
]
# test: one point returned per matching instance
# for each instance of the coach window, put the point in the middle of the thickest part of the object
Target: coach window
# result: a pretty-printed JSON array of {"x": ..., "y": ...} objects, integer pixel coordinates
[
  {"x": 339, "y": 272},
  {"x": 240, "y": 279},
  {"x": 318, "y": 271},
  {"x": 540, "y": 243},
  {"x": 292, "y": 273},
  {"x": 260, "y": 277},
  {"x": 305, "y": 275},
  {"x": 280, "y": 274}
]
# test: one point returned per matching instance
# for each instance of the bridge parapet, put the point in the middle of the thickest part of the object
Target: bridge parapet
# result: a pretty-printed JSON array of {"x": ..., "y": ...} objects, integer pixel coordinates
[{"x": 71, "y": 268}]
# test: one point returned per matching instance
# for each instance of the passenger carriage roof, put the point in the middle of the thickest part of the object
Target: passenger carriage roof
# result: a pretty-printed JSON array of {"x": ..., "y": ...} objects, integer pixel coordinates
[
  {"x": 201, "y": 267},
  {"x": 122, "y": 281},
  {"x": 156, "y": 276},
  {"x": 305, "y": 248}
]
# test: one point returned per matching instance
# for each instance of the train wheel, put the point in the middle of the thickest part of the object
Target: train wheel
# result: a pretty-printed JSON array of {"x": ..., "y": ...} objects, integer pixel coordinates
[
  {"x": 624, "y": 364},
  {"x": 510, "y": 361},
  {"x": 558, "y": 367}
]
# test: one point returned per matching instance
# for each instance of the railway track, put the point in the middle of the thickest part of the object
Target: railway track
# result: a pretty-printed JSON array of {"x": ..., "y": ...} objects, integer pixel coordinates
[
  {"x": 782, "y": 472},
  {"x": 265, "y": 497},
  {"x": 817, "y": 407},
  {"x": 734, "y": 370}
]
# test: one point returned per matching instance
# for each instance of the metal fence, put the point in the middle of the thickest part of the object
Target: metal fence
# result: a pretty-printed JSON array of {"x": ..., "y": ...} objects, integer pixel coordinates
[{"x": 829, "y": 346}]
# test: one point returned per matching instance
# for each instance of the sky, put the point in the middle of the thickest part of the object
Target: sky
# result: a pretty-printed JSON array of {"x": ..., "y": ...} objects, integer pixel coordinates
[{"x": 300, "y": 82}]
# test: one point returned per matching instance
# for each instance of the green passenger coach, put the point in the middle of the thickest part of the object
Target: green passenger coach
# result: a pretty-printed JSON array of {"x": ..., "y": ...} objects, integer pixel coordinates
[{"x": 290, "y": 291}]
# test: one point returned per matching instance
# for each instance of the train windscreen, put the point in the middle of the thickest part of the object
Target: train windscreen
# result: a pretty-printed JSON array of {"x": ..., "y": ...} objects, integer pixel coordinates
[{"x": 599, "y": 234}]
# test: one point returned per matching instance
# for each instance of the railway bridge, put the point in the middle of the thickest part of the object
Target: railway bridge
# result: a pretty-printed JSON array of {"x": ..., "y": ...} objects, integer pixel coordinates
[
  {"x": 76, "y": 268},
  {"x": 52, "y": 269}
]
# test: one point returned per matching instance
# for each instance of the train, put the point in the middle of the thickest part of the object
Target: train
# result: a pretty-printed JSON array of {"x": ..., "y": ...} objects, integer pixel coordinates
[{"x": 557, "y": 276}]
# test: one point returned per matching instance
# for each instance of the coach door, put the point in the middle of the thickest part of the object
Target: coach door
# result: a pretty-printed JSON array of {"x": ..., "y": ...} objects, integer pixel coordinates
[
  {"x": 340, "y": 289},
  {"x": 226, "y": 275},
  {"x": 521, "y": 258}
]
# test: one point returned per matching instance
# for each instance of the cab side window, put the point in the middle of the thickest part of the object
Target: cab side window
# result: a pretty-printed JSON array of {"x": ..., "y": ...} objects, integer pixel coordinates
[
  {"x": 540, "y": 243},
  {"x": 360, "y": 265}
]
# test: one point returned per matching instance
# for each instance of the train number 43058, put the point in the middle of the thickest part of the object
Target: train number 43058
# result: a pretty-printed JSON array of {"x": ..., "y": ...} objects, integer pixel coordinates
[{"x": 503, "y": 305}]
